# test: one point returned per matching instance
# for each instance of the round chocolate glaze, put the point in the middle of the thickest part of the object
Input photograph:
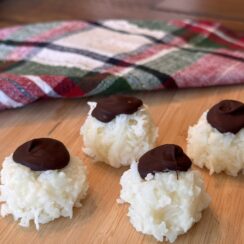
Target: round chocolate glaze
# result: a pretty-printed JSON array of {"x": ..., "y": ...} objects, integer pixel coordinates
[
  {"x": 227, "y": 116},
  {"x": 42, "y": 154},
  {"x": 168, "y": 157},
  {"x": 108, "y": 108}
]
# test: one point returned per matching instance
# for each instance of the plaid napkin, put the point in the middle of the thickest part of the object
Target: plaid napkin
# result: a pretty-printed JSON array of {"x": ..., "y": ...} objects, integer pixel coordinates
[{"x": 77, "y": 58}]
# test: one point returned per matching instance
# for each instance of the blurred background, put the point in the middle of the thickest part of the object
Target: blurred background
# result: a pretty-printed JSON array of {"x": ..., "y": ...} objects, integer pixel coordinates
[{"x": 228, "y": 12}]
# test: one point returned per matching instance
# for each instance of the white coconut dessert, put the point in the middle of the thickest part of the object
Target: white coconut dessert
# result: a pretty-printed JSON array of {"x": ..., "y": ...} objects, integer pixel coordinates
[
  {"x": 40, "y": 181},
  {"x": 118, "y": 130},
  {"x": 166, "y": 197},
  {"x": 216, "y": 141}
]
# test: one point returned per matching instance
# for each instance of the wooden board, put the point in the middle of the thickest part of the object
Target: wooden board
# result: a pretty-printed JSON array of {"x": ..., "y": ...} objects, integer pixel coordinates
[
  {"x": 101, "y": 219},
  {"x": 229, "y": 13}
]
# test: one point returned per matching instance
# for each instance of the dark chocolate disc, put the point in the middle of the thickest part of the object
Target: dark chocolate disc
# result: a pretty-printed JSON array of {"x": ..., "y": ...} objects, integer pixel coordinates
[
  {"x": 42, "y": 154},
  {"x": 168, "y": 157},
  {"x": 109, "y": 107},
  {"x": 227, "y": 116}
]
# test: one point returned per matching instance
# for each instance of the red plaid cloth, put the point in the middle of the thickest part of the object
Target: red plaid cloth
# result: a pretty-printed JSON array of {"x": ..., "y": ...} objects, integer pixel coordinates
[{"x": 75, "y": 59}]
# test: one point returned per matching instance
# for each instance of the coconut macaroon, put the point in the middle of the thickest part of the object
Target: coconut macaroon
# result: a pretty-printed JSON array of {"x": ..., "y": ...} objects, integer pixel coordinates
[
  {"x": 41, "y": 182},
  {"x": 166, "y": 197},
  {"x": 118, "y": 130},
  {"x": 217, "y": 140}
]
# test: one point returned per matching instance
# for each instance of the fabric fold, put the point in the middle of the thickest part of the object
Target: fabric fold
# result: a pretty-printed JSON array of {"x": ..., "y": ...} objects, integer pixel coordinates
[{"x": 78, "y": 58}]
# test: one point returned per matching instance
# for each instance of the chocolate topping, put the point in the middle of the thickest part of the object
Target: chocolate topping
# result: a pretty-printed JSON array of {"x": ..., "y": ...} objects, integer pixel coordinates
[
  {"x": 162, "y": 159},
  {"x": 227, "y": 116},
  {"x": 109, "y": 107},
  {"x": 42, "y": 154}
]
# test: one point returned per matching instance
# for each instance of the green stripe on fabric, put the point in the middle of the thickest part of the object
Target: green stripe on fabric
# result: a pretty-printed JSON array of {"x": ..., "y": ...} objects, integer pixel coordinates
[
  {"x": 154, "y": 25},
  {"x": 203, "y": 42},
  {"x": 174, "y": 61},
  {"x": 91, "y": 82},
  {"x": 85, "y": 79},
  {"x": 25, "y": 33},
  {"x": 28, "y": 31},
  {"x": 33, "y": 68},
  {"x": 198, "y": 39},
  {"x": 169, "y": 64},
  {"x": 140, "y": 80},
  {"x": 119, "y": 85},
  {"x": 109, "y": 86}
]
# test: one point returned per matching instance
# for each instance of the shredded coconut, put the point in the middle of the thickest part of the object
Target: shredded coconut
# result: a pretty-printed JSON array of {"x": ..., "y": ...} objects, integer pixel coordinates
[
  {"x": 215, "y": 150},
  {"x": 41, "y": 196},
  {"x": 162, "y": 205},
  {"x": 120, "y": 141}
]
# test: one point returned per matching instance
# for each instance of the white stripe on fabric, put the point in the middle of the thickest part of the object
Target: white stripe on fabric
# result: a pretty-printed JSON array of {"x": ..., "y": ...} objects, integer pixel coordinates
[
  {"x": 104, "y": 41},
  {"x": 71, "y": 60},
  {"x": 123, "y": 25},
  {"x": 9, "y": 102},
  {"x": 48, "y": 90}
]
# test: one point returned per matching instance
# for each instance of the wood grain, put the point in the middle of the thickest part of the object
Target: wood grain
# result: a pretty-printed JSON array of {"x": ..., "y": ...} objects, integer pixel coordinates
[
  {"x": 229, "y": 13},
  {"x": 101, "y": 219},
  {"x": 226, "y": 10}
]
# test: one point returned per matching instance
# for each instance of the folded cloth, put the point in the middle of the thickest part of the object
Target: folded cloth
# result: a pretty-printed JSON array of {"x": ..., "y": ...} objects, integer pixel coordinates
[{"x": 78, "y": 58}]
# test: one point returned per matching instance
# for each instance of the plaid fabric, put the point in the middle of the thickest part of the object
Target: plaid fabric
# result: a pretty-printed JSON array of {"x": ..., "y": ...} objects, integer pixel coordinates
[{"x": 75, "y": 59}]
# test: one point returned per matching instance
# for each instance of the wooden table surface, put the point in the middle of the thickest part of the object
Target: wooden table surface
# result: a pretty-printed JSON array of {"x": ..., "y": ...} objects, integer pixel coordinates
[{"x": 101, "y": 219}]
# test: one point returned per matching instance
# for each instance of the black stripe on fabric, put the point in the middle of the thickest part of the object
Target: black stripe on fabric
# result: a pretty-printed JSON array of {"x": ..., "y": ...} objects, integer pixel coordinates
[
  {"x": 119, "y": 62},
  {"x": 103, "y": 58},
  {"x": 165, "y": 79},
  {"x": 162, "y": 77},
  {"x": 163, "y": 40},
  {"x": 166, "y": 40}
]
